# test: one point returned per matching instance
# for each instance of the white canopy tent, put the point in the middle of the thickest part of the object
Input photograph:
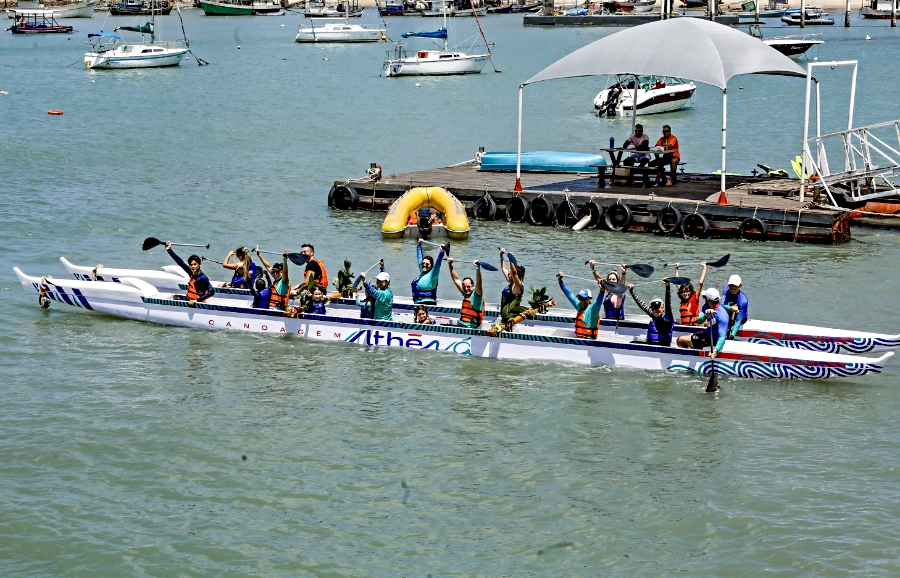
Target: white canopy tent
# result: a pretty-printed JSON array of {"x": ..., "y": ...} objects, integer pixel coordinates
[{"x": 689, "y": 48}]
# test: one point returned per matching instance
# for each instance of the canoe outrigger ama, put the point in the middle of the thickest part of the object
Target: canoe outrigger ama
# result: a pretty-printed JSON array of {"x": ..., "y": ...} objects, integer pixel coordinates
[
  {"x": 172, "y": 278},
  {"x": 132, "y": 298}
]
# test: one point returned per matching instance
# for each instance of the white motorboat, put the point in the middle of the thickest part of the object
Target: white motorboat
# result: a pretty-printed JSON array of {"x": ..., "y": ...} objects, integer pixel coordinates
[
  {"x": 433, "y": 62},
  {"x": 655, "y": 94},
  {"x": 108, "y": 51},
  {"x": 793, "y": 46},
  {"x": 76, "y": 10},
  {"x": 339, "y": 32},
  {"x": 322, "y": 10},
  {"x": 815, "y": 16},
  {"x": 172, "y": 279},
  {"x": 134, "y": 299}
]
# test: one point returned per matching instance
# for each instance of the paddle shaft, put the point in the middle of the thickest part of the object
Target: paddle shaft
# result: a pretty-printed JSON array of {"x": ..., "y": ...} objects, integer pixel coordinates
[
  {"x": 212, "y": 260},
  {"x": 359, "y": 279},
  {"x": 188, "y": 245}
]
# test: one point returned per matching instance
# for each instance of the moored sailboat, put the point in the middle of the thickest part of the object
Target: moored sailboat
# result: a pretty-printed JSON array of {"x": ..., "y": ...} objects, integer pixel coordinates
[{"x": 109, "y": 52}]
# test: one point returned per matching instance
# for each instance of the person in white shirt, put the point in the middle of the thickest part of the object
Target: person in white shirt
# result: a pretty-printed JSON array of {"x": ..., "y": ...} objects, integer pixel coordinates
[{"x": 639, "y": 142}]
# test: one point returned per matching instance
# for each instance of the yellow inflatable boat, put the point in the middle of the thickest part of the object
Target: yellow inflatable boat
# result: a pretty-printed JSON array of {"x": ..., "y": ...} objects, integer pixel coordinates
[{"x": 455, "y": 223}]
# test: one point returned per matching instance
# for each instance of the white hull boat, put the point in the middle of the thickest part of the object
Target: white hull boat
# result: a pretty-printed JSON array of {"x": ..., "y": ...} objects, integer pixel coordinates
[
  {"x": 320, "y": 10},
  {"x": 78, "y": 10},
  {"x": 134, "y": 299},
  {"x": 339, "y": 33},
  {"x": 654, "y": 95},
  {"x": 155, "y": 55},
  {"x": 802, "y": 337},
  {"x": 433, "y": 63}
]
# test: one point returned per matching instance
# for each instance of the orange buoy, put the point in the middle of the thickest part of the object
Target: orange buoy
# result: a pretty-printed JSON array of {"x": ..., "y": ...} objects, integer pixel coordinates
[{"x": 54, "y": 112}]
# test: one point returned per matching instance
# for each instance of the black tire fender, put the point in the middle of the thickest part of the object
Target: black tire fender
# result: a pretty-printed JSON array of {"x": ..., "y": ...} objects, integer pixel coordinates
[
  {"x": 668, "y": 219},
  {"x": 618, "y": 217},
  {"x": 345, "y": 198},
  {"x": 595, "y": 210},
  {"x": 518, "y": 209},
  {"x": 566, "y": 214},
  {"x": 543, "y": 211},
  {"x": 695, "y": 225},
  {"x": 753, "y": 229},
  {"x": 484, "y": 209}
]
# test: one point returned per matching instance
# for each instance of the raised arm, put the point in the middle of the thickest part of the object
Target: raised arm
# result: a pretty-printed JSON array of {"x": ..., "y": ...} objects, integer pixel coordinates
[
  {"x": 456, "y": 280},
  {"x": 284, "y": 272},
  {"x": 562, "y": 286},
  {"x": 419, "y": 254},
  {"x": 227, "y": 264},
  {"x": 503, "y": 267},
  {"x": 478, "y": 290},
  {"x": 178, "y": 260},
  {"x": 702, "y": 277},
  {"x": 668, "y": 311},
  {"x": 637, "y": 300},
  {"x": 597, "y": 276}
]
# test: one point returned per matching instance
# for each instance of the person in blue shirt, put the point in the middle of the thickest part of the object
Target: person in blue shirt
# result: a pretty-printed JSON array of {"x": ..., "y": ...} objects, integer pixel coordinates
[
  {"x": 587, "y": 311},
  {"x": 424, "y": 287},
  {"x": 737, "y": 304},
  {"x": 199, "y": 287},
  {"x": 613, "y": 305},
  {"x": 662, "y": 321},
  {"x": 244, "y": 269},
  {"x": 259, "y": 287},
  {"x": 366, "y": 304},
  {"x": 715, "y": 316}
]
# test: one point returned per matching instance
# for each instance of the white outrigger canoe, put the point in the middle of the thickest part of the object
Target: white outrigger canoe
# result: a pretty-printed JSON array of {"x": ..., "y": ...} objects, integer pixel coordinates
[
  {"x": 806, "y": 337},
  {"x": 133, "y": 298}
]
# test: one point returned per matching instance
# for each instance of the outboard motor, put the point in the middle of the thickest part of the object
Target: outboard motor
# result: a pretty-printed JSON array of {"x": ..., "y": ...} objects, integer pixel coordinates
[
  {"x": 426, "y": 220},
  {"x": 612, "y": 100}
]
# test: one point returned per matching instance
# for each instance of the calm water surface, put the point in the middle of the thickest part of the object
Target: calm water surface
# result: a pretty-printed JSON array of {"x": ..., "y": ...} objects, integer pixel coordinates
[{"x": 122, "y": 442}]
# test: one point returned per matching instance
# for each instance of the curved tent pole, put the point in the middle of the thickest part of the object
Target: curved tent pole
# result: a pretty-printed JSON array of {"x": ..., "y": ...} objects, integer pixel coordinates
[
  {"x": 518, "y": 187},
  {"x": 724, "y": 118}
]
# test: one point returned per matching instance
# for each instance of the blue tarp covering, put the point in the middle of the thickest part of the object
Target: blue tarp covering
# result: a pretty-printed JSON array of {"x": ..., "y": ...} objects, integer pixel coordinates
[
  {"x": 442, "y": 33},
  {"x": 543, "y": 162},
  {"x": 103, "y": 34},
  {"x": 576, "y": 12}
]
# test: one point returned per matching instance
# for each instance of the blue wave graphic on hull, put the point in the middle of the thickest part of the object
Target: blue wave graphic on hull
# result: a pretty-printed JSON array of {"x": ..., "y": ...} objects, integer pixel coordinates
[{"x": 779, "y": 371}]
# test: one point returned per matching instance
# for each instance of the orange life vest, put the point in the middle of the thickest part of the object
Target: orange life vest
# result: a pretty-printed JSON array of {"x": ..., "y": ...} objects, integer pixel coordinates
[
  {"x": 277, "y": 300},
  {"x": 469, "y": 314},
  {"x": 582, "y": 331},
  {"x": 323, "y": 282},
  {"x": 192, "y": 294},
  {"x": 689, "y": 310}
]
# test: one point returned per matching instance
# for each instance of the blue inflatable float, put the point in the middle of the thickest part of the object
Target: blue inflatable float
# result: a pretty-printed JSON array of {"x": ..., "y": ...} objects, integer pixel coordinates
[{"x": 543, "y": 162}]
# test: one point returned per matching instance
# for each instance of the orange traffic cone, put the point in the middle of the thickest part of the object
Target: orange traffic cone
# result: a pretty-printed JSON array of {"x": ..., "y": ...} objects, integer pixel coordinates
[
  {"x": 723, "y": 199},
  {"x": 518, "y": 187}
]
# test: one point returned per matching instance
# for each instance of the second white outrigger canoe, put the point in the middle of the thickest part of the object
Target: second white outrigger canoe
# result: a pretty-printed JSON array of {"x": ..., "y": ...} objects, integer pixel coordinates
[
  {"x": 807, "y": 337},
  {"x": 135, "y": 299}
]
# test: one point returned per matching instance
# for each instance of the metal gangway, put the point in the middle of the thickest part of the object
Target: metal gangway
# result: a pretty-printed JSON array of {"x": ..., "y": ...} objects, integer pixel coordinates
[{"x": 870, "y": 163}]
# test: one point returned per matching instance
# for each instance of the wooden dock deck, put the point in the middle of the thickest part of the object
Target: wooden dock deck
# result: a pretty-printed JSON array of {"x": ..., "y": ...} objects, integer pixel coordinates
[{"x": 758, "y": 209}]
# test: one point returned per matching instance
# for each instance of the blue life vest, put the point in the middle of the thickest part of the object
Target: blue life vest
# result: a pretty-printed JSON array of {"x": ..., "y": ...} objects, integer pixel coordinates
[
  {"x": 262, "y": 299},
  {"x": 662, "y": 334},
  {"x": 239, "y": 282},
  {"x": 420, "y": 296},
  {"x": 317, "y": 308},
  {"x": 610, "y": 311}
]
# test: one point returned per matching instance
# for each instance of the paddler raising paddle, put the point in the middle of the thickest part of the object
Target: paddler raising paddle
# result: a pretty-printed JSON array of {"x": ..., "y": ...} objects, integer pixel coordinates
[
  {"x": 512, "y": 293},
  {"x": 366, "y": 303},
  {"x": 244, "y": 269},
  {"x": 424, "y": 287},
  {"x": 662, "y": 321},
  {"x": 280, "y": 293},
  {"x": 587, "y": 311},
  {"x": 613, "y": 305},
  {"x": 472, "y": 310},
  {"x": 381, "y": 294},
  {"x": 690, "y": 298},
  {"x": 199, "y": 287},
  {"x": 737, "y": 303},
  {"x": 716, "y": 318}
]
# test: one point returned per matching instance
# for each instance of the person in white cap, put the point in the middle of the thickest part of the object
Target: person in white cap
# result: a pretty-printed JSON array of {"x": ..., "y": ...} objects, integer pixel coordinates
[
  {"x": 716, "y": 318},
  {"x": 736, "y": 302},
  {"x": 662, "y": 321},
  {"x": 587, "y": 310},
  {"x": 381, "y": 296}
]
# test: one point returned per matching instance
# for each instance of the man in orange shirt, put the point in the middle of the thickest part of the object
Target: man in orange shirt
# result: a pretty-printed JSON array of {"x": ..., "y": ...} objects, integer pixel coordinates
[{"x": 671, "y": 157}]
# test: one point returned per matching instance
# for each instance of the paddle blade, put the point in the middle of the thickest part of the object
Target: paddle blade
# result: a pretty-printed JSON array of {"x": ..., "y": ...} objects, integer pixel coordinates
[
  {"x": 677, "y": 280},
  {"x": 642, "y": 269},
  {"x": 512, "y": 259},
  {"x": 713, "y": 385},
  {"x": 357, "y": 282},
  {"x": 614, "y": 287},
  {"x": 298, "y": 258},
  {"x": 721, "y": 262},
  {"x": 151, "y": 242},
  {"x": 487, "y": 266}
]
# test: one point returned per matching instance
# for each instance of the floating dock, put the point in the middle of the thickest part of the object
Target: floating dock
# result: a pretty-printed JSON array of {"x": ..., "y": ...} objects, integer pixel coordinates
[
  {"x": 758, "y": 209},
  {"x": 538, "y": 19}
]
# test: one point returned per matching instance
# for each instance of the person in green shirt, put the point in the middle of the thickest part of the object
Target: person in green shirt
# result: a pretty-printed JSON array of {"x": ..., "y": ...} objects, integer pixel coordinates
[
  {"x": 382, "y": 296},
  {"x": 472, "y": 310},
  {"x": 424, "y": 287}
]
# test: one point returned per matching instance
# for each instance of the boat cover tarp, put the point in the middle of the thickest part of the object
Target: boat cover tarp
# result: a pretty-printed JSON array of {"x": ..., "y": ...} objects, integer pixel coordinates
[
  {"x": 143, "y": 29},
  {"x": 689, "y": 48},
  {"x": 103, "y": 34},
  {"x": 576, "y": 12},
  {"x": 542, "y": 162},
  {"x": 440, "y": 33}
]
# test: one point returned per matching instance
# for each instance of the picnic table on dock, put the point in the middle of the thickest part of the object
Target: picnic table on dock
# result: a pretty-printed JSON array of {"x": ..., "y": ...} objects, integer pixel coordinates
[{"x": 615, "y": 156}]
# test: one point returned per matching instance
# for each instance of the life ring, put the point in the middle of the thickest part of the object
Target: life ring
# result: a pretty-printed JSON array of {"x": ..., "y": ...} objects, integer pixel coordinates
[
  {"x": 55, "y": 112},
  {"x": 753, "y": 229},
  {"x": 485, "y": 208},
  {"x": 566, "y": 214},
  {"x": 594, "y": 209},
  {"x": 617, "y": 217},
  {"x": 668, "y": 219},
  {"x": 543, "y": 211},
  {"x": 517, "y": 209},
  {"x": 695, "y": 226},
  {"x": 345, "y": 198}
]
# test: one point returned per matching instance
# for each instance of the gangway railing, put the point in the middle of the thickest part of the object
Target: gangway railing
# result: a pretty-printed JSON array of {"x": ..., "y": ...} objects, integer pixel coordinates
[{"x": 870, "y": 162}]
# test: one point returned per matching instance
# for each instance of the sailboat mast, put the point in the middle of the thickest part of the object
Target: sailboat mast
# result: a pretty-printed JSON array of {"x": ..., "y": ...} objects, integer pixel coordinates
[
  {"x": 152, "y": 21},
  {"x": 446, "y": 7}
]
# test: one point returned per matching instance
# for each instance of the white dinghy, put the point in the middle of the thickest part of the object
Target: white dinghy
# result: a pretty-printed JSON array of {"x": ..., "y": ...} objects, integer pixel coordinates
[{"x": 133, "y": 298}]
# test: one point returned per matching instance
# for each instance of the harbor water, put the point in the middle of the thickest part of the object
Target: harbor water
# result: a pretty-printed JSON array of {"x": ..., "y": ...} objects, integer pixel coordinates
[{"x": 131, "y": 449}]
